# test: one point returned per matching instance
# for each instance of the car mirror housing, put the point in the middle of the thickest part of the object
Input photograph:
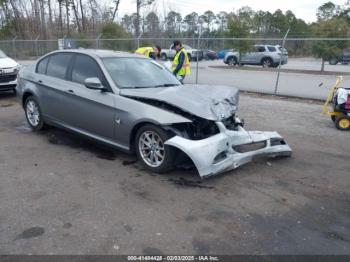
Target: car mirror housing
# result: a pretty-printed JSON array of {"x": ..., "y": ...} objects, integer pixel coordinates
[{"x": 94, "y": 83}]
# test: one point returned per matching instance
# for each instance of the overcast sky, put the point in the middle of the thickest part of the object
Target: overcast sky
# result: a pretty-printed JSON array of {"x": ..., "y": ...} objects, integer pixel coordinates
[{"x": 305, "y": 9}]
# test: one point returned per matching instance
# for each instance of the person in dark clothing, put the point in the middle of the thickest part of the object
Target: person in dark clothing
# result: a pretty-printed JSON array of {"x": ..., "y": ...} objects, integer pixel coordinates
[{"x": 181, "y": 63}]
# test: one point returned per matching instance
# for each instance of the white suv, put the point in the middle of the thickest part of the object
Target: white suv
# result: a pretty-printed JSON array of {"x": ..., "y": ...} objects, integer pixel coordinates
[
  {"x": 265, "y": 55},
  {"x": 171, "y": 52},
  {"x": 9, "y": 69}
]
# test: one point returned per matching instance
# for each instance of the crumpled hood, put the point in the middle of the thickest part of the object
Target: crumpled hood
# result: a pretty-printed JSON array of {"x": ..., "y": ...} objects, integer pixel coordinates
[{"x": 206, "y": 101}]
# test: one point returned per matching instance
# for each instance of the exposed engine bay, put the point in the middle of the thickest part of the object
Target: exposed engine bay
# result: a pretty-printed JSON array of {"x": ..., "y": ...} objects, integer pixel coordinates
[{"x": 199, "y": 128}]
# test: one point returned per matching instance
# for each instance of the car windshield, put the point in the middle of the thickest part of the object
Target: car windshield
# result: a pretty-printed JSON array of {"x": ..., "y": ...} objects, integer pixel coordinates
[
  {"x": 139, "y": 73},
  {"x": 2, "y": 54}
]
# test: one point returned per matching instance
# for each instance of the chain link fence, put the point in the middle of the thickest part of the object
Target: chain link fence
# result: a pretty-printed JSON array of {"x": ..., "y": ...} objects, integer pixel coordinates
[
  {"x": 24, "y": 49},
  {"x": 300, "y": 76},
  {"x": 297, "y": 47}
]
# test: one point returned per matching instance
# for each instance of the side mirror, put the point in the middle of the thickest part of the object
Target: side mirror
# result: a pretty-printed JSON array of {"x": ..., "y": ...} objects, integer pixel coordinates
[{"x": 94, "y": 83}]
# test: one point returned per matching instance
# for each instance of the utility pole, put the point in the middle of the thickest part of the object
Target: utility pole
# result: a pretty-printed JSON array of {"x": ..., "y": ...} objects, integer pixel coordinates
[
  {"x": 198, "y": 46},
  {"x": 279, "y": 66}
]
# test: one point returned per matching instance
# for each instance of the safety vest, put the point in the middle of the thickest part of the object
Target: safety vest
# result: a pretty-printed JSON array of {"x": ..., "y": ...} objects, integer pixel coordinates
[
  {"x": 185, "y": 69},
  {"x": 144, "y": 51}
]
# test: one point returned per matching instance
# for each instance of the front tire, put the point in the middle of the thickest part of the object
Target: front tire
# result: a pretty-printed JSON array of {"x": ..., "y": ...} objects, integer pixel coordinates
[
  {"x": 151, "y": 150},
  {"x": 232, "y": 61},
  {"x": 33, "y": 114},
  {"x": 164, "y": 57}
]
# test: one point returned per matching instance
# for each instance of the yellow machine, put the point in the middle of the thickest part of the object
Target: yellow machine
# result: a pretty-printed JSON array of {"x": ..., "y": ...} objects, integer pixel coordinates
[{"x": 340, "y": 114}]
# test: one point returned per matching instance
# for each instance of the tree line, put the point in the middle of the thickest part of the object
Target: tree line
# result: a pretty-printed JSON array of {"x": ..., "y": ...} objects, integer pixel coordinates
[
  {"x": 52, "y": 19},
  {"x": 88, "y": 19}
]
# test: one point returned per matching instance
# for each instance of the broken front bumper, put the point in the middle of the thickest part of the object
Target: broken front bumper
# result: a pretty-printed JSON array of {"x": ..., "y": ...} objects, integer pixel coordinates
[{"x": 230, "y": 149}]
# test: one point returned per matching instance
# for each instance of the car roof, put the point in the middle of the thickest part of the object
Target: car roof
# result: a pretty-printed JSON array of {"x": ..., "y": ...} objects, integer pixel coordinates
[
  {"x": 265, "y": 45},
  {"x": 100, "y": 53}
]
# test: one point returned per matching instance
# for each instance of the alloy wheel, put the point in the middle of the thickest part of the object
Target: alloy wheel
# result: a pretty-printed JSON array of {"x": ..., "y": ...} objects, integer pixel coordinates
[
  {"x": 151, "y": 148},
  {"x": 33, "y": 114},
  {"x": 266, "y": 63}
]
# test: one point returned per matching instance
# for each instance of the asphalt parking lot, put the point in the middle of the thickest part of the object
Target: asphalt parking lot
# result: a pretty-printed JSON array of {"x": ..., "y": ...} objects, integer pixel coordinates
[{"x": 62, "y": 194}]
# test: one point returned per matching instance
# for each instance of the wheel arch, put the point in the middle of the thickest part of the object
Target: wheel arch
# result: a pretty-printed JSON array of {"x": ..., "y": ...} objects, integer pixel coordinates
[
  {"x": 232, "y": 56},
  {"x": 25, "y": 97},
  {"x": 182, "y": 157},
  {"x": 266, "y": 57},
  {"x": 136, "y": 128}
]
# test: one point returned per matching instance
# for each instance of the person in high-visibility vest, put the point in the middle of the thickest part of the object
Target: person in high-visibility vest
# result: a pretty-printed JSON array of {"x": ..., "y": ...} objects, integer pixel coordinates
[
  {"x": 181, "y": 62},
  {"x": 151, "y": 52}
]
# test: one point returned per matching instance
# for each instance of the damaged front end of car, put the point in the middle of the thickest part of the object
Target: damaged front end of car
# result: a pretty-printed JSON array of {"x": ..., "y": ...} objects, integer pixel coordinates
[
  {"x": 229, "y": 148},
  {"x": 214, "y": 139}
]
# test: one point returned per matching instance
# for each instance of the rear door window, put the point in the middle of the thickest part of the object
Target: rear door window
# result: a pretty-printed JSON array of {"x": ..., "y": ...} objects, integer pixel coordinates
[
  {"x": 58, "y": 65},
  {"x": 41, "y": 67},
  {"x": 260, "y": 49},
  {"x": 86, "y": 67},
  {"x": 271, "y": 48}
]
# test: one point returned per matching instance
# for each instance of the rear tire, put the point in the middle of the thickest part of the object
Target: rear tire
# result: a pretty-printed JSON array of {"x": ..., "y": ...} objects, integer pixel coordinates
[
  {"x": 266, "y": 62},
  {"x": 342, "y": 123},
  {"x": 151, "y": 150},
  {"x": 33, "y": 114},
  {"x": 164, "y": 57}
]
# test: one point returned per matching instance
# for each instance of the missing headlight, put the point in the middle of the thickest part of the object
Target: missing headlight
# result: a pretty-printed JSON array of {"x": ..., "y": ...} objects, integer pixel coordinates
[
  {"x": 232, "y": 123},
  {"x": 197, "y": 130},
  {"x": 277, "y": 142}
]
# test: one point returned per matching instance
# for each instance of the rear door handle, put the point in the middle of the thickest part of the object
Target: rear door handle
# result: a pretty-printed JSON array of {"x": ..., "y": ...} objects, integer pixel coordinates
[
  {"x": 40, "y": 82},
  {"x": 70, "y": 91}
]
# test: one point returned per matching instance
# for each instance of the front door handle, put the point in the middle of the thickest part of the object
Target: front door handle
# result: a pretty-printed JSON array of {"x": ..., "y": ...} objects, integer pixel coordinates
[
  {"x": 70, "y": 91},
  {"x": 40, "y": 82}
]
